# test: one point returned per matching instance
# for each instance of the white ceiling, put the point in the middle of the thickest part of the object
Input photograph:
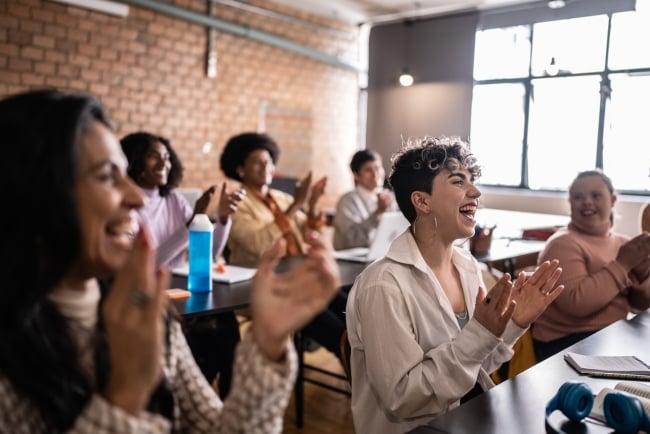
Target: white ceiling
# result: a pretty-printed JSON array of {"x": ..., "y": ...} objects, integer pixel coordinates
[{"x": 374, "y": 11}]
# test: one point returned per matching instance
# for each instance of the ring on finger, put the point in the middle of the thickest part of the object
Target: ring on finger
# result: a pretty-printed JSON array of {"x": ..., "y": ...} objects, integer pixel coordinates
[{"x": 139, "y": 298}]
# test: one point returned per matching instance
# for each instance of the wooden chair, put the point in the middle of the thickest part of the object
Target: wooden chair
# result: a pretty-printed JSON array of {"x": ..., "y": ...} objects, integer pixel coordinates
[{"x": 346, "y": 350}]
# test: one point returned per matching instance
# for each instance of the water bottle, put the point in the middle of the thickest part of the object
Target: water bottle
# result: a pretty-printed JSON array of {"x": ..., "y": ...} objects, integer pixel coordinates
[{"x": 200, "y": 253}]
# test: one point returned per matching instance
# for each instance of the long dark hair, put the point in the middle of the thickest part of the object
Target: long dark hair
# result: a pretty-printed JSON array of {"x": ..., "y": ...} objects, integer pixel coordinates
[
  {"x": 135, "y": 147},
  {"x": 40, "y": 133}
]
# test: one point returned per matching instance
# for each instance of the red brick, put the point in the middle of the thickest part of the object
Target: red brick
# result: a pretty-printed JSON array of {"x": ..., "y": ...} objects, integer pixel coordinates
[
  {"x": 18, "y": 10},
  {"x": 58, "y": 82},
  {"x": 44, "y": 41},
  {"x": 42, "y": 15},
  {"x": 30, "y": 79},
  {"x": 20, "y": 65},
  {"x": 32, "y": 53},
  {"x": 45, "y": 68}
]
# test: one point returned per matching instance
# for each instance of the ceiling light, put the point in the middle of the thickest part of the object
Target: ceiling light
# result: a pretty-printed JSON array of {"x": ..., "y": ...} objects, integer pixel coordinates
[
  {"x": 406, "y": 79},
  {"x": 556, "y": 4}
]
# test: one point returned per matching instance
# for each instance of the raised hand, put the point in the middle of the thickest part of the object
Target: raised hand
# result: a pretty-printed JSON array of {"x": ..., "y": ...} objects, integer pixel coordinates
[
  {"x": 495, "y": 309},
  {"x": 284, "y": 303},
  {"x": 203, "y": 202},
  {"x": 635, "y": 251},
  {"x": 228, "y": 202},
  {"x": 385, "y": 199},
  {"x": 534, "y": 294},
  {"x": 317, "y": 191},
  {"x": 302, "y": 190},
  {"x": 133, "y": 317}
]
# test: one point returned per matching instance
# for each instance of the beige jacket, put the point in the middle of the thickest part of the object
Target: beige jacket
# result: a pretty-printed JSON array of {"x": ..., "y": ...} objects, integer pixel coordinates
[
  {"x": 410, "y": 360},
  {"x": 254, "y": 230}
]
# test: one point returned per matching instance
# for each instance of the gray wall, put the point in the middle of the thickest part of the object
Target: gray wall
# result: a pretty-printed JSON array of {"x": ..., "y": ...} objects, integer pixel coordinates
[{"x": 440, "y": 55}]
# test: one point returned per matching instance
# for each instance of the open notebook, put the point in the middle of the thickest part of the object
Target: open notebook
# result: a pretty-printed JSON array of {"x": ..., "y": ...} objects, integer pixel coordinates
[
  {"x": 227, "y": 274},
  {"x": 390, "y": 226}
]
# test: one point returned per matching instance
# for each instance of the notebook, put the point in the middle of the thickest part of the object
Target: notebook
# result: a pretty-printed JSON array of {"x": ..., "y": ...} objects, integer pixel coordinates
[{"x": 390, "y": 226}]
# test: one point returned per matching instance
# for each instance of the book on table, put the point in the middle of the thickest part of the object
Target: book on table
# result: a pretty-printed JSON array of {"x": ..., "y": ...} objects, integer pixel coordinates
[
  {"x": 623, "y": 367},
  {"x": 641, "y": 391}
]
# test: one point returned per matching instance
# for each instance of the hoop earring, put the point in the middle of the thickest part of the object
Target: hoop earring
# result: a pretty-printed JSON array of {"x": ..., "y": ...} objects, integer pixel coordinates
[
  {"x": 435, "y": 230},
  {"x": 413, "y": 225}
]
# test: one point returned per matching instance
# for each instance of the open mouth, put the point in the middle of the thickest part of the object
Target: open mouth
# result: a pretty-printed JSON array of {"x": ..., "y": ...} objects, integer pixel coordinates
[
  {"x": 123, "y": 232},
  {"x": 468, "y": 211}
]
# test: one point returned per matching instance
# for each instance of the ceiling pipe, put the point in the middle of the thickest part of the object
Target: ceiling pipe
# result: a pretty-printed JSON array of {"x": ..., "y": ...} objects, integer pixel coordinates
[{"x": 243, "y": 31}]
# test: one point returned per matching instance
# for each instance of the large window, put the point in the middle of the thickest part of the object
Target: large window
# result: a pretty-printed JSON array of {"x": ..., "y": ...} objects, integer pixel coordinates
[{"x": 553, "y": 98}]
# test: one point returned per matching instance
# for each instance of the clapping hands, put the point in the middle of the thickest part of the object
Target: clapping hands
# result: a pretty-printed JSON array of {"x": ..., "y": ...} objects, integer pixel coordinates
[
  {"x": 283, "y": 303},
  {"x": 523, "y": 301}
]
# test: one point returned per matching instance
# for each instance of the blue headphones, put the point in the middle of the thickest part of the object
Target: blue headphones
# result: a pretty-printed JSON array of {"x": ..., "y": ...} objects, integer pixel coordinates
[{"x": 624, "y": 413}]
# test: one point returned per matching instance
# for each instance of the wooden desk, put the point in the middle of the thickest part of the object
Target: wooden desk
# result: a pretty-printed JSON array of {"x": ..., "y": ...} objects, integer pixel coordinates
[
  {"x": 507, "y": 254},
  {"x": 518, "y": 405},
  {"x": 227, "y": 297},
  {"x": 511, "y": 224},
  {"x": 507, "y": 250}
]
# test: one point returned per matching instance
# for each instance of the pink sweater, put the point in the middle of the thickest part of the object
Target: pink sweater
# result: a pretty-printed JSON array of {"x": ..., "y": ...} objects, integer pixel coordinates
[{"x": 598, "y": 290}]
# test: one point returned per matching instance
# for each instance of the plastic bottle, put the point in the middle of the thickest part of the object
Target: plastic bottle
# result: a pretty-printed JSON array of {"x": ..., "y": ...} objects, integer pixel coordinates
[{"x": 200, "y": 254}]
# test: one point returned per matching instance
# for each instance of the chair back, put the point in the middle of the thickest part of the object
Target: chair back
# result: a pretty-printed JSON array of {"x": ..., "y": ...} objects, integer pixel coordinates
[
  {"x": 645, "y": 217},
  {"x": 346, "y": 350}
]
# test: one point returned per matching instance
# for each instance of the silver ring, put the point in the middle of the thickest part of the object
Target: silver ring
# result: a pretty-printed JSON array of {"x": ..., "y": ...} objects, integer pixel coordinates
[{"x": 139, "y": 298}]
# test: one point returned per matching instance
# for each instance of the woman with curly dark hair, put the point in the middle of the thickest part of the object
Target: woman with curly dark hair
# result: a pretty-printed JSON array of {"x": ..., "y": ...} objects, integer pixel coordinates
[
  {"x": 155, "y": 167},
  {"x": 426, "y": 302},
  {"x": 76, "y": 359}
]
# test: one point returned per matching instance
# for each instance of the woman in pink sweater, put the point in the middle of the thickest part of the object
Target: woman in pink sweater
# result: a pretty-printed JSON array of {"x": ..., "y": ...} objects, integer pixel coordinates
[{"x": 605, "y": 274}]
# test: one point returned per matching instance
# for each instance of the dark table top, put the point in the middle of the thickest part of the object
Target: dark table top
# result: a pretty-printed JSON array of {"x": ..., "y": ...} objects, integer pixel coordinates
[
  {"x": 518, "y": 405},
  {"x": 226, "y": 297}
]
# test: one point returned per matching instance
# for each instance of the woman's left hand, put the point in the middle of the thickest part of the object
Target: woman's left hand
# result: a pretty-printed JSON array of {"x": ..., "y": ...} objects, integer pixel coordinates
[
  {"x": 283, "y": 303},
  {"x": 228, "y": 203},
  {"x": 317, "y": 191},
  {"x": 535, "y": 293}
]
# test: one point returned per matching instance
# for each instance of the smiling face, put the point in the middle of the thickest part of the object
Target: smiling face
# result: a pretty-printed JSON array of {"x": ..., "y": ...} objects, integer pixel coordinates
[
  {"x": 157, "y": 165},
  {"x": 454, "y": 200},
  {"x": 591, "y": 203},
  {"x": 371, "y": 175},
  {"x": 258, "y": 169},
  {"x": 106, "y": 201}
]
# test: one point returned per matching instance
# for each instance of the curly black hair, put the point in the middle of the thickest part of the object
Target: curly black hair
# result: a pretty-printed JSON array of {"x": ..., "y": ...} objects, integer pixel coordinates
[
  {"x": 239, "y": 147},
  {"x": 135, "y": 147},
  {"x": 416, "y": 165}
]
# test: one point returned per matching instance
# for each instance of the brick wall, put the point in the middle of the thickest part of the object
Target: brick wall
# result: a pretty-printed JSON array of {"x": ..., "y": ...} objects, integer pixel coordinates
[{"x": 149, "y": 70}]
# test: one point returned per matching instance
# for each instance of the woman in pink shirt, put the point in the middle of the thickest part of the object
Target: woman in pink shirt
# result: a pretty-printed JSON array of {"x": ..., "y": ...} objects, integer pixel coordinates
[
  {"x": 155, "y": 167},
  {"x": 605, "y": 274}
]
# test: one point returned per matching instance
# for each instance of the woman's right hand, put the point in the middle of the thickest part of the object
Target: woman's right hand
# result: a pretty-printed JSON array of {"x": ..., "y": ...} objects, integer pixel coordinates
[
  {"x": 302, "y": 190},
  {"x": 634, "y": 252},
  {"x": 494, "y": 309},
  {"x": 284, "y": 303},
  {"x": 133, "y": 318}
]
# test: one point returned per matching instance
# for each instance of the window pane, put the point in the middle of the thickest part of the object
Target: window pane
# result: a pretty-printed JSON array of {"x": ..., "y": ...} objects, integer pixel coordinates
[
  {"x": 626, "y": 154},
  {"x": 576, "y": 45},
  {"x": 628, "y": 29},
  {"x": 563, "y": 129},
  {"x": 502, "y": 53},
  {"x": 497, "y": 131}
]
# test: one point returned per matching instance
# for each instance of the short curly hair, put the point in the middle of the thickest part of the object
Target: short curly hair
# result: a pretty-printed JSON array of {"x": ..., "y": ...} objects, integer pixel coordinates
[
  {"x": 135, "y": 147},
  {"x": 239, "y": 147},
  {"x": 420, "y": 160}
]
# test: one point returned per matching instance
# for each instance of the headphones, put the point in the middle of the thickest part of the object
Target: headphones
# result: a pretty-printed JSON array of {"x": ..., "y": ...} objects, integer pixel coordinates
[{"x": 575, "y": 400}]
